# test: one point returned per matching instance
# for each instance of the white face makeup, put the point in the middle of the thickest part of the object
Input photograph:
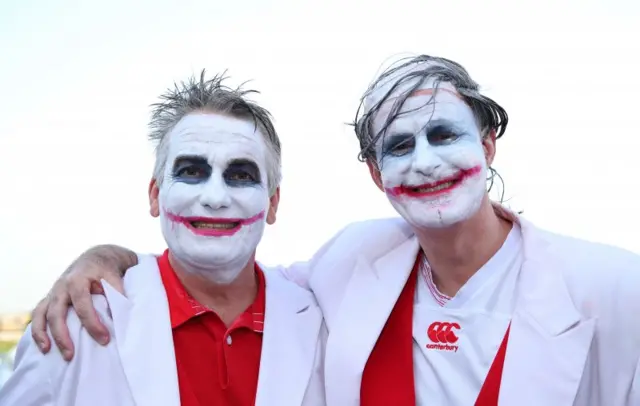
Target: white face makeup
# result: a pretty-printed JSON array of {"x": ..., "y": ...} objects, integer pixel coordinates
[
  {"x": 214, "y": 196},
  {"x": 431, "y": 158}
]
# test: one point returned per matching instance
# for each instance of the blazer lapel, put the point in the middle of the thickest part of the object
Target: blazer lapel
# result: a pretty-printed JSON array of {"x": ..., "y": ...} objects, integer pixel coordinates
[
  {"x": 368, "y": 300},
  {"x": 291, "y": 332},
  {"x": 550, "y": 340},
  {"x": 143, "y": 335}
]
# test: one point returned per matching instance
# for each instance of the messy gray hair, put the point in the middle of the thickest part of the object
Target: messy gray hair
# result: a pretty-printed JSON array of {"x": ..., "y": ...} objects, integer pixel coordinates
[
  {"x": 211, "y": 95},
  {"x": 411, "y": 73}
]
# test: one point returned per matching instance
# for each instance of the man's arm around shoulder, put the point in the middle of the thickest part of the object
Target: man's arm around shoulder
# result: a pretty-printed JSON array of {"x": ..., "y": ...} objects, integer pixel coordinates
[
  {"x": 300, "y": 272},
  {"x": 315, "y": 394},
  {"x": 39, "y": 379}
]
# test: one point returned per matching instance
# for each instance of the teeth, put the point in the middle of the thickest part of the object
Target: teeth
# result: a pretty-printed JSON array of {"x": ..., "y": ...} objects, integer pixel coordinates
[
  {"x": 435, "y": 188},
  {"x": 214, "y": 226}
]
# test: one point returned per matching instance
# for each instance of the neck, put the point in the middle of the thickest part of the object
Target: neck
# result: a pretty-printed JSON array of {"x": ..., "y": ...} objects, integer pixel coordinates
[
  {"x": 227, "y": 300},
  {"x": 456, "y": 253}
]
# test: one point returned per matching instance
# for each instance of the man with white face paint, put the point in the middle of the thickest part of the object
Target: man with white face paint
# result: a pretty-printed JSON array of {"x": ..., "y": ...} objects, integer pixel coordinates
[
  {"x": 460, "y": 301},
  {"x": 201, "y": 324}
]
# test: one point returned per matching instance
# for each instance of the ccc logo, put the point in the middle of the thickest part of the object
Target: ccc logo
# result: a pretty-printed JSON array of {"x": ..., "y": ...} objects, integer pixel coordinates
[{"x": 443, "y": 333}]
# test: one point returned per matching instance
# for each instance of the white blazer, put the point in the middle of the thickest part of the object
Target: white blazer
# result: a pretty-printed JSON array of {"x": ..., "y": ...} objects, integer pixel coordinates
[
  {"x": 575, "y": 334},
  {"x": 138, "y": 366}
]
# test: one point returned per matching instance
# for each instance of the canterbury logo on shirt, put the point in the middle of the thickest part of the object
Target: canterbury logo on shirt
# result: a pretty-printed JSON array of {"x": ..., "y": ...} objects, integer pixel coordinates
[{"x": 443, "y": 336}]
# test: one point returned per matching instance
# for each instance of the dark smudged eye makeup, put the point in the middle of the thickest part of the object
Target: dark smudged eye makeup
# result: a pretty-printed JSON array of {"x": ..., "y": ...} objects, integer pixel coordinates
[
  {"x": 191, "y": 172},
  {"x": 194, "y": 170},
  {"x": 242, "y": 172},
  {"x": 191, "y": 169},
  {"x": 398, "y": 144},
  {"x": 438, "y": 133},
  {"x": 442, "y": 135}
]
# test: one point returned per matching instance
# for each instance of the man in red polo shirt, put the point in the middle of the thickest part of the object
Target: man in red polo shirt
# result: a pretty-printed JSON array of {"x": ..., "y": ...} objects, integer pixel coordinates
[{"x": 202, "y": 324}]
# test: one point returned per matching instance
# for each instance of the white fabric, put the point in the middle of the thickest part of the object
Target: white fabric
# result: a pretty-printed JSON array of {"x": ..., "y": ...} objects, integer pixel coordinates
[
  {"x": 482, "y": 308},
  {"x": 138, "y": 366},
  {"x": 575, "y": 335}
]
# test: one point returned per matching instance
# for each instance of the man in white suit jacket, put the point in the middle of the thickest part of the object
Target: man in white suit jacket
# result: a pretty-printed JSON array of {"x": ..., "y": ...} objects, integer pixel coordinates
[
  {"x": 202, "y": 324},
  {"x": 460, "y": 301}
]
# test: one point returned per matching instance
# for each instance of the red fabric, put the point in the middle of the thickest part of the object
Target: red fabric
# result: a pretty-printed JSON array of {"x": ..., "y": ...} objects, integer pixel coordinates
[
  {"x": 210, "y": 371},
  {"x": 490, "y": 391},
  {"x": 388, "y": 378}
]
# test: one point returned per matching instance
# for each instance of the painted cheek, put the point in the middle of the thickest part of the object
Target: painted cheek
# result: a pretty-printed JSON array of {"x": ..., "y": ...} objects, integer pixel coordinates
[
  {"x": 465, "y": 156},
  {"x": 251, "y": 200},
  {"x": 176, "y": 197},
  {"x": 394, "y": 169}
]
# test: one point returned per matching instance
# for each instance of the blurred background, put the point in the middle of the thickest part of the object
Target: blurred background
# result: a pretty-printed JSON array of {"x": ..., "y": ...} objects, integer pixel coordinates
[{"x": 77, "y": 79}]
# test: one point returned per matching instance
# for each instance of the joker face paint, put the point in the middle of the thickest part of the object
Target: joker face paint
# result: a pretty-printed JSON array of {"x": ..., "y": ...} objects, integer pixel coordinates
[
  {"x": 431, "y": 158},
  {"x": 214, "y": 196}
]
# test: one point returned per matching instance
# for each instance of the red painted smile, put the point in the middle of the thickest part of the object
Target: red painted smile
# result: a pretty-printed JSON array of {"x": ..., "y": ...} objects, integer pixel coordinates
[
  {"x": 441, "y": 187},
  {"x": 214, "y": 227}
]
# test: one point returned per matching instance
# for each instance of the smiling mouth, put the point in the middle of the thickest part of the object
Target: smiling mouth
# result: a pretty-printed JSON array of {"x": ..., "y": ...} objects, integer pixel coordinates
[
  {"x": 431, "y": 189},
  {"x": 440, "y": 187},
  {"x": 205, "y": 225},
  {"x": 214, "y": 227},
  {"x": 424, "y": 189}
]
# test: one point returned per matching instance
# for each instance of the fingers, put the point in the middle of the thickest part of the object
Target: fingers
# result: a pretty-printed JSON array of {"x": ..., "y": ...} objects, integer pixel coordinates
[
  {"x": 39, "y": 326},
  {"x": 56, "y": 317},
  {"x": 80, "y": 296},
  {"x": 75, "y": 287},
  {"x": 115, "y": 280}
]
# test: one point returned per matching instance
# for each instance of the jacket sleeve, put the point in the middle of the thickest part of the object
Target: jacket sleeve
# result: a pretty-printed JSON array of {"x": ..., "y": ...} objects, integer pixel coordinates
[
  {"x": 315, "y": 394},
  {"x": 300, "y": 272},
  {"x": 634, "y": 394},
  {"x": 30, "y": 384}
]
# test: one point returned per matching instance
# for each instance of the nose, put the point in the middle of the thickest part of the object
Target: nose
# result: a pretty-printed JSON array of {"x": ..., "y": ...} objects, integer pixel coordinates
[
  {"x": 425, "y": 159},
  {"x": 215, "y": 193}
]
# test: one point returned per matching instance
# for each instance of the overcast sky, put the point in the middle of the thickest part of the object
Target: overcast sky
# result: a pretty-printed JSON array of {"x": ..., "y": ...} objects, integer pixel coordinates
[{"x": 77, "y": 78}]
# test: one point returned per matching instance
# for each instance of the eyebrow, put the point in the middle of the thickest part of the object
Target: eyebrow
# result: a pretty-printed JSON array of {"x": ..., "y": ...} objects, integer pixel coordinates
[
  {"x": 194, "y": 159},
  {"x": 242, "y": 161},
  {"x": 246, "y": 165},
  {"x": 441, "y": 124},
  {"x": 397, "y": 138}
]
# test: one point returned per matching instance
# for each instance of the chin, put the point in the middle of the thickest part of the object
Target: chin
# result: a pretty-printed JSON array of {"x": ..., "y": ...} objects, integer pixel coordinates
[
  {"x": 219, "y": 269},
  {"x": 428, "y": 216},
  {"x": 202, "y": 258},
  {"x": 215, "y": 258}
]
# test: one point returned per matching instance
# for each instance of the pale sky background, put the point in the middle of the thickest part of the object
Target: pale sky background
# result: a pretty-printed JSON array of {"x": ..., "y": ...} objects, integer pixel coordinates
[{"x": 76, "y": 79}]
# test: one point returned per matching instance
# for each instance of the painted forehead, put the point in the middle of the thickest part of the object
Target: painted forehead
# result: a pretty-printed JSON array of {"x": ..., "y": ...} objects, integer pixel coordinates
[
  {"x": 424, "y": 106},
  {"x": 217, "y": 137}
]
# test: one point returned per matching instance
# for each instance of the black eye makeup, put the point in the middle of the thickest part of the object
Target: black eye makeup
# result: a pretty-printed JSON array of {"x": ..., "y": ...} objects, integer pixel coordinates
[
  {"x": 242, "y": 172},
  {"x": 438, "y": 133},
  {"x": 442, "y": 134},
  {"x": 398, "y": 144},
  {"x": 196, "y": 169},
  {"x": 191, "y": 169}
]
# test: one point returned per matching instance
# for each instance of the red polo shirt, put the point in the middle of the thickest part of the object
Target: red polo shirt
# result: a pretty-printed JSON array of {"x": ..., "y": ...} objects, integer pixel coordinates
[{"x": 216, "y": 365}]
